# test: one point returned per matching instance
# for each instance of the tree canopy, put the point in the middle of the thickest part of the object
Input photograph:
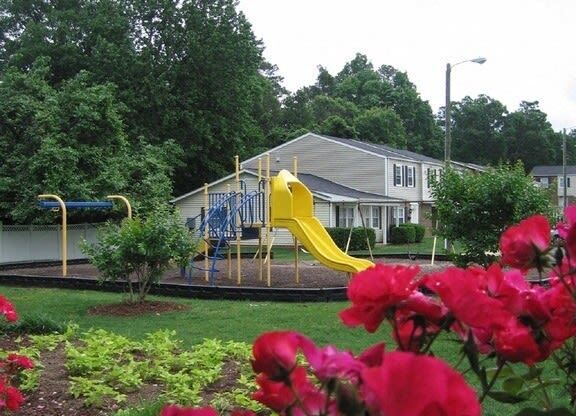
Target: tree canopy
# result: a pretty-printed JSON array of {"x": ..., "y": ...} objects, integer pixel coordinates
[
  {"x": 154, "y": 98},
  {"x": 474, "y": 209}
]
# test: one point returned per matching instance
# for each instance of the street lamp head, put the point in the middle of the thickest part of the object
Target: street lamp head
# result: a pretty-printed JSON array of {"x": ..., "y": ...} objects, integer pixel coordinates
[{"x": 478, "y": 60}]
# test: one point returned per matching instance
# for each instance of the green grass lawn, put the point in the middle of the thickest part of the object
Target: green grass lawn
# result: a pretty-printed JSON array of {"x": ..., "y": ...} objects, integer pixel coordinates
[{"x": 226, "y": 320}]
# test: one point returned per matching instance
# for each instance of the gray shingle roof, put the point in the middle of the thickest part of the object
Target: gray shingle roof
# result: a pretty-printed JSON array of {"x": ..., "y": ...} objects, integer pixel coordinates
[
  {"x": 318, "y": 184},
  {"x": 552, "y": 170},
  {"x": 325, "y": 186},
  {"x": 385, "y": 150}
]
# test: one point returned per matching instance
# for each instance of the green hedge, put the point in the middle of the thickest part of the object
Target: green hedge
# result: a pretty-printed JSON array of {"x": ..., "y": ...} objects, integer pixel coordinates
[
  {"x": 403, "y": 237},
  {"x": 403, "y": 234},
  {"x": 357, "y": 241},
  {"x": 420, "y": 231}
]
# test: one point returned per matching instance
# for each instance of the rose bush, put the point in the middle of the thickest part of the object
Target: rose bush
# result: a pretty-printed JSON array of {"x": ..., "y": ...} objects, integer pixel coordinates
[
  {"x": 499, "y": 315},
  {"x": 10, "y": 367}
]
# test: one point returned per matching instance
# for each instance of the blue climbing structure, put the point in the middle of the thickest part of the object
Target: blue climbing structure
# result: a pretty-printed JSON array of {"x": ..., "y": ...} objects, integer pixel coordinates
[{"x": 229, "y": 215}]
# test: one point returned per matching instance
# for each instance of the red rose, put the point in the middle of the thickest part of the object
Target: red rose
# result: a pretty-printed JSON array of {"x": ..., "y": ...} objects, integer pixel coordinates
[
  {"x": 521, "y": 245},
  {"x": 460, "y": 291},
  {"x": 275, "y": 353},
  {"x": 570, "y": 217},
  {"x": 14, "y": 398},
  {"x": 173, "y": 410},
  {"x": 328, "y": 362},
  {"x": 375, "y": 290},
  {"x": 515, "y": 343},
  {"x": 278, "y": 395},
  {"x": 415, "y": 385},
  {"x": 7, "y": 309},
  {"x": 373, "y": 355},
  {"x": 242, "y": 412},
  {"x": 19, "y": 361}
]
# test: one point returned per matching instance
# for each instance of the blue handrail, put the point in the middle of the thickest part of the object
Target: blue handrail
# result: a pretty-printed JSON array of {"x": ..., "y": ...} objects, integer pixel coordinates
[{"x": 77, "y": 204}]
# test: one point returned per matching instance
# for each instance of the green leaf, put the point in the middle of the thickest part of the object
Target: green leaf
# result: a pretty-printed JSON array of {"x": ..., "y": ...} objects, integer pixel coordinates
[
  {"x": 504, "y": 397},
  {"x": 513, "y": 385},
  {"x": 533, "y": 372},
  {"x": 504, "y": 372},
  {"x": 554, "y": 412}
]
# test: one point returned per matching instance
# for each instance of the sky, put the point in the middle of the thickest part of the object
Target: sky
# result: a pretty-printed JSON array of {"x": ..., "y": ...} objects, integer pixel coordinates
[{"x": 530, "y": 45}]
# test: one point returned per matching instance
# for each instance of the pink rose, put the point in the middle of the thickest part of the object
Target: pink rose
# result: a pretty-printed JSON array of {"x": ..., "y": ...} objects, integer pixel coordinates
[
  {"x": 275, "y": 353},
  {"x": 374, "y": 291},
  {"x": 416, "y": 385},
  {"x": 521, "y": 245}
]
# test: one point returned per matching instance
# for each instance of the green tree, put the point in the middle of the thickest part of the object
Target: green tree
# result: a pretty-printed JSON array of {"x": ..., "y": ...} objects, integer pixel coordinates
[
  {"x": 71, "y": 141},
  {"x": 323, "y": 107},
  {"x": 381, "y": 125},
  {"x": 360, "y": 88},
  {"x": 477, "y": 130},
  {"x": 190, "y": 71},
  {"x": 338, "y": 127},
  {"x": 530, "y": 137},
  {"x": 140, "y": 250},
  {"x": 475, "y": 208}
]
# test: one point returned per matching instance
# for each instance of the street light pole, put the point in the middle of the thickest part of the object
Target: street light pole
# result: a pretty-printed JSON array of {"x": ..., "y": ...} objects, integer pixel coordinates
[
  {"x": 564, "y": 193},
  {"x": 447, "y": 116},
  {"x": 448, "y": 125}
]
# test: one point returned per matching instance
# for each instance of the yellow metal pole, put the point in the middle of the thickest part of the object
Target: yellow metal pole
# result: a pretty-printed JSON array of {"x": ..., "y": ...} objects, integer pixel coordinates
[
  {"x": 64, "y": 231},
  {"x": 206, "y": 234},
  {"x": 260, "y": 264},
  {"x": 268, "y": 220},
  {"x": 296, "y": 252},
  {"x": 238, "y": 220},
  {"x": 229, "y": 250},
  {"x": 126, "y": 202}
]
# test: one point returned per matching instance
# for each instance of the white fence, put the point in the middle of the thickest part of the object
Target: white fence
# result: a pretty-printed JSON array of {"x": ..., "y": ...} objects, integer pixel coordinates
[{"x": 21, "y": 243}]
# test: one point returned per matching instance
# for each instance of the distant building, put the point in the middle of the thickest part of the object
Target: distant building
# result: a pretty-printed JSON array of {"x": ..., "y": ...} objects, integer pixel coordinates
[
  {"x": 353, "y": 183},
  {"x": 552, "y": 176}
]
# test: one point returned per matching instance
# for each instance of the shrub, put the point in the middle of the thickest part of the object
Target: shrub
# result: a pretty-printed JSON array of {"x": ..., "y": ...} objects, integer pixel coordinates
[
  {"x": 357, "y": 240},
  {"x": 140, "y": 251},
  {"x": 403, "y": 234},
  {"x": 420, "y": 232},
  {"x": 474, "y": 209},
  {"x": 34, "y": 324}
]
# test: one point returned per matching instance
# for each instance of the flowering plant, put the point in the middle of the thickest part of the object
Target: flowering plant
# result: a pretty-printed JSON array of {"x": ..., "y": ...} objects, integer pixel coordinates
[
  {"x": 508, "y": 318},
  {"x": 10, "y": 367}
]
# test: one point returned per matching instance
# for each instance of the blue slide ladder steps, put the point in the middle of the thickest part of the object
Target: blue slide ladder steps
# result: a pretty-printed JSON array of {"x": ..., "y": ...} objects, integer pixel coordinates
[{"x": 222, "y": 221}]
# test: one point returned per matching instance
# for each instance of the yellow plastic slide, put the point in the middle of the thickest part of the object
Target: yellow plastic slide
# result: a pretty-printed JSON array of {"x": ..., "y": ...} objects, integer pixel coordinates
[{"x": 292, "y": 208}]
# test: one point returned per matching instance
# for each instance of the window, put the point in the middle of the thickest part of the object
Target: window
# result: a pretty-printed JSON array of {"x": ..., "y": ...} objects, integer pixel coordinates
[
  {"x": 431, "y": 175},
  {"x": 410, "y": 173},
  {"x": 397, "y": 175},
  {"x": 345, "y": 217},
  {"x": 561, "y": 183},
  {"x": 398, "y": 215},
  {"x": 372, "y": 216},
  {"x": 376, "y": 217},
  {"x": 404, "y": 176}
]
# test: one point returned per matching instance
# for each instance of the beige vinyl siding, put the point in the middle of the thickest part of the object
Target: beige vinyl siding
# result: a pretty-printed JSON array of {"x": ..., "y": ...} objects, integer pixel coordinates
[
  {"x": 322, "y": 212},
  {"x": 191, "y": 206},
  {"x": 404, "y": 192},
  {"x": 426, "y": 192},
  {"x": 571, "y": 189},
  {"x": 333, "y": 161}
]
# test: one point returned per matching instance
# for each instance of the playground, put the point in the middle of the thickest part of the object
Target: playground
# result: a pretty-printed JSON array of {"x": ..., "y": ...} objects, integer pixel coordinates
[{"x": 312, "y": 274}]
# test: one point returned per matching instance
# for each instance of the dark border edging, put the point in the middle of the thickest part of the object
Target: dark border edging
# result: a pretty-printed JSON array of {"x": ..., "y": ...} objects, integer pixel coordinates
[{"x": 183, "y": 290}]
